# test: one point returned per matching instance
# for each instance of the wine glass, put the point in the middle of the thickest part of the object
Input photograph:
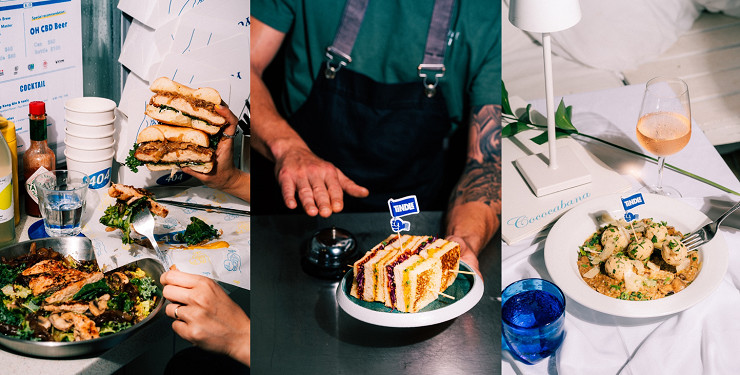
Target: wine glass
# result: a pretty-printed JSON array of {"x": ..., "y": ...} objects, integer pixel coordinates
[{"x": 664, "y": 126}]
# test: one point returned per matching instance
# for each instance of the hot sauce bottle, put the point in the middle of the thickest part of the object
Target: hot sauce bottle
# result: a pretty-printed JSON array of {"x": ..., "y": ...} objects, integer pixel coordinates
[{"x": 39, "y": 157}]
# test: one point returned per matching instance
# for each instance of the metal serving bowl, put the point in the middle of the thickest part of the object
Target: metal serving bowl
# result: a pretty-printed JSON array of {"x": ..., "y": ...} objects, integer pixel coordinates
[{"x": 79, "y": 248}]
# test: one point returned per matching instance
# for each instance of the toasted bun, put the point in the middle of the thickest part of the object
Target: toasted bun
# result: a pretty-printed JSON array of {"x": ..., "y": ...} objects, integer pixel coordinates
[
  {"x": 202, "y": 168},
  {"x": 176, "y": 118},
  {"x": 187, "y": 103},
  {"x": 168, "y": 86},
  {"x": 160, "y": 133}
]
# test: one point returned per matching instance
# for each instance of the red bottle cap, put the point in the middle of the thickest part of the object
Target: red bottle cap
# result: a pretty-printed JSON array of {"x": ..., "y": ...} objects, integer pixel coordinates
[{"x": 37, "y": 108}]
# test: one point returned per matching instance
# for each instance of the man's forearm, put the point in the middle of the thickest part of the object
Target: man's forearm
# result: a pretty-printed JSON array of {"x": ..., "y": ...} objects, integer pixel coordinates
[
  {"x": 238, "y": 185},
  {"x": 475, "y": 204}
]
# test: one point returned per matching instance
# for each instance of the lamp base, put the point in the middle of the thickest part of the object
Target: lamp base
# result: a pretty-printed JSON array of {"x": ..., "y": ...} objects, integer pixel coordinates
[{"x": 543, "y": 180}]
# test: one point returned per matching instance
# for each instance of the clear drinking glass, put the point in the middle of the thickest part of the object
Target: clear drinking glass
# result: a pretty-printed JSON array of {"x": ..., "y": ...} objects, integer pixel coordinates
[
  {"x": 664, "y": 126},
  {"x": 532, "y": 316},
  {"x": 62, "y": 201}
]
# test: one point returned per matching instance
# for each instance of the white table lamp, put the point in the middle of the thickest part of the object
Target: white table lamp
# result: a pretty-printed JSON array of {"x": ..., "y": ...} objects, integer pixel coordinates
[{"x": 547, "y": 16}]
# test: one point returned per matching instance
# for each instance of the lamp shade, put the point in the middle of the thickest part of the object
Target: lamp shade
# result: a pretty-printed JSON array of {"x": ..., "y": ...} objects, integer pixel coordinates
[{"x": 544, "y": 16}]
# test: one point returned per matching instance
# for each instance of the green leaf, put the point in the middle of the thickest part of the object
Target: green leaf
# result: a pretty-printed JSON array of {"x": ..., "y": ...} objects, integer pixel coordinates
[
  {"x": 562, "y": 117},
  {"x": 506, "y": 106},
  {"x": 525, "y": 116},
  {"x": 542, "y": 138},
  {"x": 514, "y": 128}
]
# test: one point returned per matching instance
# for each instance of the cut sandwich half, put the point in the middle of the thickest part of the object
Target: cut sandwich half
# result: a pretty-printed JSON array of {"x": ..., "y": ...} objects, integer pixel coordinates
[
  {"x": 420, "y": 243},
  {"x": 162, "y": 147},
  {"x": 417, "y": 281},
  {"x": 365, "y": 283},
  {"x": 448, "y": 252},
  {"x": 176, "y": 104}
]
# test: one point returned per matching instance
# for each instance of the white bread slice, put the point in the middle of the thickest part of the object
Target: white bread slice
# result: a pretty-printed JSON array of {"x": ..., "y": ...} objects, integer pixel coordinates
[
  {"x": 363, "y": 272},
  {"x": 160, "y": 133},
  {"x": 380, "y": 266},
  {"x": 417, "y": 282},
  {"x": 448, "y": 252},
  {"x": 389, "y": 282},
  {"x": 173, "y": 117}
]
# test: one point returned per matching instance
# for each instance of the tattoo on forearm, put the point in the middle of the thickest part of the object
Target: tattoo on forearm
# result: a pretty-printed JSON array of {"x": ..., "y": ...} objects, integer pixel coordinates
[{"x": 481, "y": 178}]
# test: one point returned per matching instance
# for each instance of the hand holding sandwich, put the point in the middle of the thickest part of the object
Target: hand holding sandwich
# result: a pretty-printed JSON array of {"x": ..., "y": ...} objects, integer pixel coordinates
[
  {"x": 205, "y": 315},
  {"x": 224, "y": 175}
]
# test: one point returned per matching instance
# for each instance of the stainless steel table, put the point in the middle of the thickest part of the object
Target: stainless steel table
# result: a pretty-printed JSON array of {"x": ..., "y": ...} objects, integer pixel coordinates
[{"x": 298, "y": 327}]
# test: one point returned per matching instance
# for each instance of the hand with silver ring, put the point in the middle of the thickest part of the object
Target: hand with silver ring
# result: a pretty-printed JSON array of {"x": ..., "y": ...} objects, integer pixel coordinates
[{"x": 211, "y": 320}]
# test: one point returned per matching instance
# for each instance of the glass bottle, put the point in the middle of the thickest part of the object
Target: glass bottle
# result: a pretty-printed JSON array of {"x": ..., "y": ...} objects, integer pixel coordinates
[
  {"x": 38, "y": 158},
  {"x": 8, "y": 130},
  {"x": 7, "y": 211}
]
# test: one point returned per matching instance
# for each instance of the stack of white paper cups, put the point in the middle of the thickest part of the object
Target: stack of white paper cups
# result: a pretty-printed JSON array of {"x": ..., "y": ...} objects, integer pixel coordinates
[{"x": 89, "y": 138}]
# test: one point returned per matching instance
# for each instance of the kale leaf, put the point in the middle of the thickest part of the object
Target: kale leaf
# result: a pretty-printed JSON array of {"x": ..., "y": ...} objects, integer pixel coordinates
[
  {"x": 93, "y": 290},
  {"x": 120, "y": 216},
  {"x": 198, "y": 231},
  {"x": 132, "y": 162},
  {"x": 9, "y": 274}
]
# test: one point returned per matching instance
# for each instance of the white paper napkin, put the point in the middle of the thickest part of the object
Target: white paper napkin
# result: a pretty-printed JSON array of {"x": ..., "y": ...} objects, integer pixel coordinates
[{"x": 229, "y": 265}]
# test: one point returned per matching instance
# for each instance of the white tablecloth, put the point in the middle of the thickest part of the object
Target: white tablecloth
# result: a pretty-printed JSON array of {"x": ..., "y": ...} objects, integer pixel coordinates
[{"x": 700, "y": 340}]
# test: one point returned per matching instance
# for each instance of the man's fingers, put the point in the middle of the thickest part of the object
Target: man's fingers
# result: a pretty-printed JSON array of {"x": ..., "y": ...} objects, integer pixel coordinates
[
  {"x": 351, "y": 187},
  {"x": 305, "y": 195},
  {"x": 319, "y": 185},
  {"x": 287, "y": 188}
]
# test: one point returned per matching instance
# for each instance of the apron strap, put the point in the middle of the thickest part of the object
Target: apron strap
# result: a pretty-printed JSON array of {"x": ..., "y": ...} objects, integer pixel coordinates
[
  {"x": 338, "y": 54},
  {"x": 434, "y": 53}
]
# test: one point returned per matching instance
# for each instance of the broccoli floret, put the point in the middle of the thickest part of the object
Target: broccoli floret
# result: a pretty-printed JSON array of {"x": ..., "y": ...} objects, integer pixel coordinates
[{"x": 145, "y": 286}]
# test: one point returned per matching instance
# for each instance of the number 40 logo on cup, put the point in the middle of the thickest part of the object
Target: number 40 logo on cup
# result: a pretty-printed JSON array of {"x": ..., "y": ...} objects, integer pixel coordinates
[{"x": 407, "y": 205}]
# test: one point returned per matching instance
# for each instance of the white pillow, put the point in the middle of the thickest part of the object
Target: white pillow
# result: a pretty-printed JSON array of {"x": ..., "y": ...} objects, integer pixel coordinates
[{"x": 618, "y": 35}]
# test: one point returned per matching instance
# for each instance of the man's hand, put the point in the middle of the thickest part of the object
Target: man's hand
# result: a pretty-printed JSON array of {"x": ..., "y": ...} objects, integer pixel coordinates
[
  {"x": 205, "y": 315},
  {"x": 319, "y": 185},
  {"x": 225, "y": 176}
]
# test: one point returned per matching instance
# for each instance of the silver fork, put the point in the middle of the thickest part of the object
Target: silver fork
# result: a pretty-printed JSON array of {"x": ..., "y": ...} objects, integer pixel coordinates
[
  {"x": 706, "y": 233},
  {"x": 143, "y": 223}
]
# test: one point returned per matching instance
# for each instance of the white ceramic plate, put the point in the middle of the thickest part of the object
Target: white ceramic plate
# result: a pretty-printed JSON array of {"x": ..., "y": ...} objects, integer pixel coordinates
[
  {"x": 467, "y": 290},
  {"x": 561, "y": 254}
]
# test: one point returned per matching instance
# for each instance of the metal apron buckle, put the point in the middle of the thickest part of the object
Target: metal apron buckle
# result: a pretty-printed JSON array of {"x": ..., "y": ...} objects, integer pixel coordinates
[
  {"x": 430, "y": 89},
  {"x": 336, "y": 59}
]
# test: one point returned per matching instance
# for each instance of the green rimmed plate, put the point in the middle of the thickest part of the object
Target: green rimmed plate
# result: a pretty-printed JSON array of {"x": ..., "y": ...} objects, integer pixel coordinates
[{"x": 467, "y": 290}]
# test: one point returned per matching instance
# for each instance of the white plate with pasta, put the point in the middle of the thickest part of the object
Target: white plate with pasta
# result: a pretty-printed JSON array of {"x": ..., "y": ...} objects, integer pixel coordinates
[{"x": 572, "y": 229}]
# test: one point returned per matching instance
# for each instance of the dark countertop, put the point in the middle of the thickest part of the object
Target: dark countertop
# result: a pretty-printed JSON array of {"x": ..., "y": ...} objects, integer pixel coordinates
[{"x": 300, "y": 329}]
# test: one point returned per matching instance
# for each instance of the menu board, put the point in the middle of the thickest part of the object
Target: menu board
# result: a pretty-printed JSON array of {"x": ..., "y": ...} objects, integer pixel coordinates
[{"x": 40, "y": 59}]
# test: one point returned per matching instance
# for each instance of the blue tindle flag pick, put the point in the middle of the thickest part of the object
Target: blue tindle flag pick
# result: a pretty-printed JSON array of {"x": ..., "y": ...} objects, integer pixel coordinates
[
  {"x": 401, "y": 207},
  {"x": 629, "y": 203}
]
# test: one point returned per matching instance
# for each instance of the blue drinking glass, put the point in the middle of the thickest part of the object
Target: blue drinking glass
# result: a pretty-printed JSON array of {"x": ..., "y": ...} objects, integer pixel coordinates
[{"x": 532, "y": 315}]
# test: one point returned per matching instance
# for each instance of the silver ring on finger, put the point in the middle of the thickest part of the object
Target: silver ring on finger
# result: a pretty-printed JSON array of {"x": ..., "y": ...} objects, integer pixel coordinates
[{"x": 176, "y": 308}]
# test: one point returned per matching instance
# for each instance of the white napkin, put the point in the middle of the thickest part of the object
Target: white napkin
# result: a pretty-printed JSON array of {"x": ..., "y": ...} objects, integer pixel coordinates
[
  {"x": 229, "y": 265},
  {"x": 700, "y": 340}
]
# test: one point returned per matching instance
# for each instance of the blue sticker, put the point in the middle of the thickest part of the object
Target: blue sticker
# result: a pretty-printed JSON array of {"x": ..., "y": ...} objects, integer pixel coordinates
[
  {"x": 629, "y": 216},
  {"x": 100, "y": 178},
  {"x": 174, "y": 179},
  {"x": 398, "y": 225},
  {"x": 632, "y": 201},
  {"x": 404, "y": 206}
]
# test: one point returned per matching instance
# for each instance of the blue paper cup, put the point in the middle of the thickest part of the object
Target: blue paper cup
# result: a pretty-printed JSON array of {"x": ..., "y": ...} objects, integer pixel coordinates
[{"x": 532, "y": 315}]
